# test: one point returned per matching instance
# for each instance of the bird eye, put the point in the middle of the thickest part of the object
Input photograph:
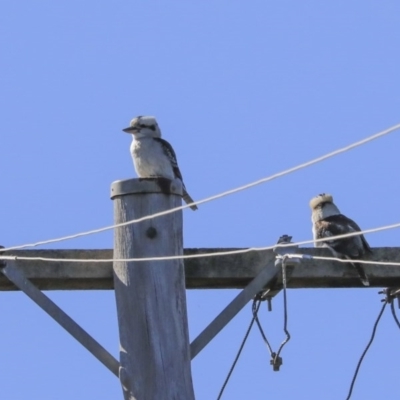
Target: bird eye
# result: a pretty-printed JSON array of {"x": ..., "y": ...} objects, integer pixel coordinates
[{"x": 152, "y": 127}]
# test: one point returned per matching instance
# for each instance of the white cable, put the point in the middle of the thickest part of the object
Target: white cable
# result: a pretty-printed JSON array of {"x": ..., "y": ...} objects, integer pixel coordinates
[
  {"x": 217, "y": 196},
  {"x": 216, "y": 254},
  {"x": 343, "y": 260}
]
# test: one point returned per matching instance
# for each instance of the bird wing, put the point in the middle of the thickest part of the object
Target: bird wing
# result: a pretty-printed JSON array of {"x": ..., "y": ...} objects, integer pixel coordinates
[
  {"x": 356, "y": 228},
  {"x": 170, "y": 153},
  {"x": 339, "y": 225}
]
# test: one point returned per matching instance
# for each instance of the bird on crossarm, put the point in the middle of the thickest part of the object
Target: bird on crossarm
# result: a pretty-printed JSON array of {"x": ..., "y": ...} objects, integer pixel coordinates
[{"x": 327, "y": 221}]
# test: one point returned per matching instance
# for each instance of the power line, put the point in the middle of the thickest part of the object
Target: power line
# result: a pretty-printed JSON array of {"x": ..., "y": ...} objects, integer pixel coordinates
[
  {"x": 256, "y": 305},
  {"x": 344, "y": 260},
  {"x": 217, "y": 196},
  {"x": 227, "y": 252},
  {"x": 239, "y": 351},
  {"x": 366, "y": 349}
]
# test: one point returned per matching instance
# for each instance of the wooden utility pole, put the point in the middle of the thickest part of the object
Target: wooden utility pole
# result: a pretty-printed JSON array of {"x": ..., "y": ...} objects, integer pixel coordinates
[
  {"x": 150, "y": 295},
  {"x": 151, "y": 305}
]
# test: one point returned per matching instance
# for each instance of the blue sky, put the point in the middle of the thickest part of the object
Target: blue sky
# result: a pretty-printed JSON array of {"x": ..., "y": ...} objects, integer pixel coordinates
[{"x": 242, "y": 91}]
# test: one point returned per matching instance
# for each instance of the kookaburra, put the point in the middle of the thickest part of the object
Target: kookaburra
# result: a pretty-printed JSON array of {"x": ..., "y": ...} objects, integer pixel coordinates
[
  {"x": 152, "y": 156},
  {"x": 327, "y": 221}
]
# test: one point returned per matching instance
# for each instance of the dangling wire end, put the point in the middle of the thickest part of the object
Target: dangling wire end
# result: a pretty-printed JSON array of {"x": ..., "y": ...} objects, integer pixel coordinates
[{"x": 276, "y": 362}]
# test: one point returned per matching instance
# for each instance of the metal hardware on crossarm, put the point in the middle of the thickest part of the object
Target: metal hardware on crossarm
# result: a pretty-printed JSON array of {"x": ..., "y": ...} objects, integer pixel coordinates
[{"x": 282, "y": 250}]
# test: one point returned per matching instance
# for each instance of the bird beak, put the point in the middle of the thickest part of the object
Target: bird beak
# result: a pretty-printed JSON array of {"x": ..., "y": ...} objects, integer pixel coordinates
[{"x": 130, "y": 129}]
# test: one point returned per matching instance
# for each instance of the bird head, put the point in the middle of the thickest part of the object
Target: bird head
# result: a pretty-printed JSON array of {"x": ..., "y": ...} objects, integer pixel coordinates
[
  {"x": 143, "y": 127},
  {"x": 322, "y": 206},
  {"x": 317, "y": 201}
]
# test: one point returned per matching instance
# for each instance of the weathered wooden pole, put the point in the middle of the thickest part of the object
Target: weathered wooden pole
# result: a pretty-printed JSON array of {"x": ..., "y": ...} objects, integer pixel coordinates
[{"x": 150, "y": 295}]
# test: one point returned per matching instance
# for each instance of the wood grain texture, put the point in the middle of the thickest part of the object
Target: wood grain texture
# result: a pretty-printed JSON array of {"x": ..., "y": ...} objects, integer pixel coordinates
[{"x": 151, "y": 299}]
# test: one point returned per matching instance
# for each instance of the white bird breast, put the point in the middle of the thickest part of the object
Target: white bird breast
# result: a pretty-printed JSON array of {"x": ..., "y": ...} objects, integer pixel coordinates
[{"x": 149, "y": 159}]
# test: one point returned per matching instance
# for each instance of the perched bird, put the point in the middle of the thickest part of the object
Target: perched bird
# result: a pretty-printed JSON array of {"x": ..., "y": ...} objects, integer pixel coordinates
[
  {"x": 153, "y": 156},
  {"x": 328, "y": 221}
]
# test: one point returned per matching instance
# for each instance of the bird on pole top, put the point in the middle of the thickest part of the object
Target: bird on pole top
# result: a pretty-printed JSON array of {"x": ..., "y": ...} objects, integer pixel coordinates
[
  {"x": 153, "y": 156},
  {"x": 327, "y": 221}
]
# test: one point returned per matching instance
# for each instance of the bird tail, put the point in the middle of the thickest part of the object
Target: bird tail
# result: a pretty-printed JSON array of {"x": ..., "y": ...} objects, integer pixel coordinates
[
  {"x": 361, "y": 273},
  {"x": 189, "y": 200}
]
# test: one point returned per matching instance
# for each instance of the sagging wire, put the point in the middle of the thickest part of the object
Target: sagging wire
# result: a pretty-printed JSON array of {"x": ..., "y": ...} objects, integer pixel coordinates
[
  {"x": 223, "y": 253},
  {"x": 346, "y": 261},
  {"x": 390, "y": 295},
  {"x": 385, "y": 302},
  {"x": 239, "y": 352},
  {"x": 217, "y": 196}
]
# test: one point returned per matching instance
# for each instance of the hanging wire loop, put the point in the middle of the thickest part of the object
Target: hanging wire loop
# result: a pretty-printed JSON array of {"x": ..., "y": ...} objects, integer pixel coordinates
[
  {"x": 255, "y": 308},
  {"x": 277, "y": 360}
]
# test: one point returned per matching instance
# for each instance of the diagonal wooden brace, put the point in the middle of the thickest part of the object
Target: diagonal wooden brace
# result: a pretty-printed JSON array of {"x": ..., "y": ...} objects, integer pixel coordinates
[
  {"x": 13, "y": 273},
  {"x": 266, "y": 275}
]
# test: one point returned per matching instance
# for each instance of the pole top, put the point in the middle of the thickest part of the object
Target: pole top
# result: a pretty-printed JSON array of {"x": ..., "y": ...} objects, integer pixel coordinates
[{"x": 146, "y": 185}]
